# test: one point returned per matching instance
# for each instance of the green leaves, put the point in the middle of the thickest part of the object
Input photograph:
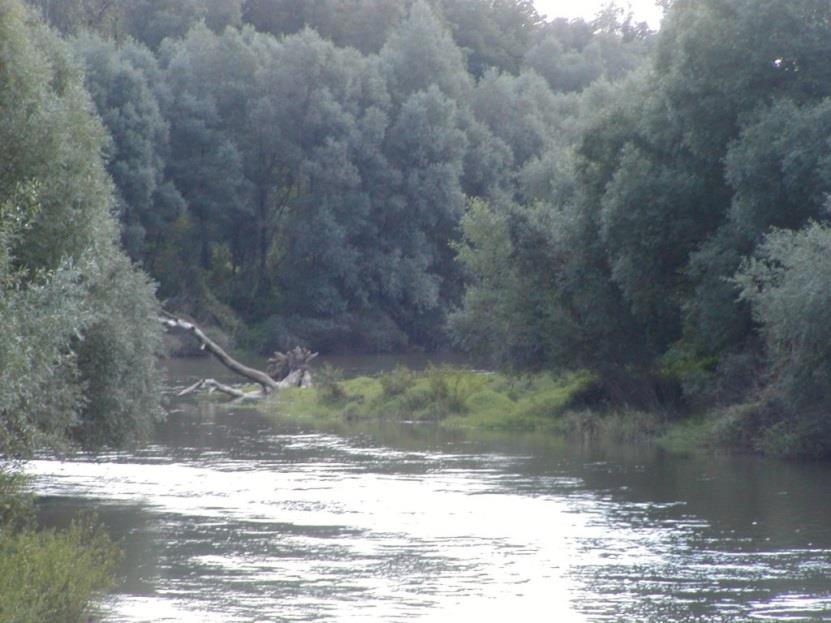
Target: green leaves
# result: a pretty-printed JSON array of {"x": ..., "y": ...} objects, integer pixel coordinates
[
  {"x": 61, "y": 273},
  {"x": 788, "y": 285}
]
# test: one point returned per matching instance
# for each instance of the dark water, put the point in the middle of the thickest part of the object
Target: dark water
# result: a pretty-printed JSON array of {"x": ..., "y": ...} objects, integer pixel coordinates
[{"x": 234, "y": 516}]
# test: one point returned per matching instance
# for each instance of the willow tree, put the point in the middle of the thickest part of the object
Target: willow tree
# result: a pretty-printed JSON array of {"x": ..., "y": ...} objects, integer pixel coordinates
[{"x": 80, "y": 335}]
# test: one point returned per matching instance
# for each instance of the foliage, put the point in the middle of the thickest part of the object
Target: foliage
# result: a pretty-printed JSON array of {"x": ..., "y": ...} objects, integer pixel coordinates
[
  {"x": 48, "y": 575},
  {"x": 153, "y": 21},
  {"x": 451, "y": 396},
  {"x": 54, "y": 576},
  {"x": 125, "y": 85},
  {"x": 16, "y": 501},
  {"x": 329, "y": 389},
  {"x": 499, "y": 321},
  {"x": 396, "y": 382},
  {"x": 676, "y": 173},
  {"x": 787, "y": 285},
  {"x": 493, "y": 34},
  {"x": 303, "y": 168},
  {"x": 571, "y": 55},
  {"x": 62, "y": 279},
  {"x": 360, "y": 24},
  {"x": 276, "y": 159}
]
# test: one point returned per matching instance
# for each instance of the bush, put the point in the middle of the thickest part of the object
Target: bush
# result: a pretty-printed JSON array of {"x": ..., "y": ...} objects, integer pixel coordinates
[
  {"x": 788, "y": 285},
  {"x": 451, "y": 388},
  {"x": 53, "y": 576},
  {"x": 329, "y": 388},
  {"x": 16, "y": 503},
  {"x": 49, "y": 575},
  {"x": 396, "y": 382}
]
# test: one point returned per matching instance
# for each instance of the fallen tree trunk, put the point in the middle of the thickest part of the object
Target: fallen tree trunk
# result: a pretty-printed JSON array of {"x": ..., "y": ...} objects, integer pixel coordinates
[
  {"x": 285, "y": 370},
  {"x": 211, "y": 385}
]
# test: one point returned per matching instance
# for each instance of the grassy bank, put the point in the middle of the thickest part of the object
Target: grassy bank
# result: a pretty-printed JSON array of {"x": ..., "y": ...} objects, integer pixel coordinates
[
  {"x": 48, "y": 575},
  {"x": 455, "y": 398}
]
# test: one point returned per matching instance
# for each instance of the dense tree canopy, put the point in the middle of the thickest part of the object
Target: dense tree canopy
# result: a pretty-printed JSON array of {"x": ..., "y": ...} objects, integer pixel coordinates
[
  {"x": 317, "y": 180},
  {"x": 673, "y": 180}
]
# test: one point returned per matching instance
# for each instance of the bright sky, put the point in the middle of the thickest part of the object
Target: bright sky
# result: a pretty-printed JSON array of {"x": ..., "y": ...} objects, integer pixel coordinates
[{"x": 645, "y": 10}]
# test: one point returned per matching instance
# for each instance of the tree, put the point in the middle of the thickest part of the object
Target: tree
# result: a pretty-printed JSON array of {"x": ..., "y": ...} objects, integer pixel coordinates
[
  {"x": 152, "y": 21},
  {"x": 786, "y": 283},
  {"x": 520, "y": 110},
  {"x": 506, "y": 312},
  {"x": 494, "y": 34},
  {"x": 119, "y": 82},
  {"x": 571, "y": 55},
  {"x": 427, "y": 146},
  {"x": 360, "y": 24},
  {"x": 207, "y": 77},
  {"x": 419, "y": 53},
  {"x": 75, "y": 16},
  {"x": 64, "y": 281}
]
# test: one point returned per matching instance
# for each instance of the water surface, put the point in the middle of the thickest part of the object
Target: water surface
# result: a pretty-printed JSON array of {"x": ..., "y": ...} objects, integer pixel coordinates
[{"x": 234, "y": 516}]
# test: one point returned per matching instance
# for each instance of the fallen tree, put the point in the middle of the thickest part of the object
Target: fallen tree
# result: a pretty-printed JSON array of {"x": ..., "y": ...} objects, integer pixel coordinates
[{"x": 285, "y": 370}]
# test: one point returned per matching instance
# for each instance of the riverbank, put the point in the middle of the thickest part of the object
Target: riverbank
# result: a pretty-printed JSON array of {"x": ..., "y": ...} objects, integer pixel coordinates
[
  {"x": 558, "y": 405},
  {"x": 455, "y": 398}
]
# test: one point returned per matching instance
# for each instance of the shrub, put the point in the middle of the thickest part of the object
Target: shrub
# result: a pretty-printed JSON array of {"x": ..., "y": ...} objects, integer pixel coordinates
[
  {"x": 329, "y": 388},
  {"x": 16, "y": 503},
  {"x": 396, "y": 382},
  {"x": 451, "y": 388},
  {"x": 53, "y": 576},
  {"x": 49, "y": 575}
]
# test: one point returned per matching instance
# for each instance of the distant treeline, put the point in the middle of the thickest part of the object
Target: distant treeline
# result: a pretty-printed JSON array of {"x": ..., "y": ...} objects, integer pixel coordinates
[{"x": 296, "y": 171}]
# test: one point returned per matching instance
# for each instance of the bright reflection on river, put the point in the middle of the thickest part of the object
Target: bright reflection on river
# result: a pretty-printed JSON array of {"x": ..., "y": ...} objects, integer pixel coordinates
[
  {"x": 235, "y": 517},
  {"x": 280, "y": 540}
]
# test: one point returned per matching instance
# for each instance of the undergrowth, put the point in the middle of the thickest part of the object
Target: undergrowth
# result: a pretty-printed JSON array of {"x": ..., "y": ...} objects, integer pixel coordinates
[
  {"x": 48, "y": 575},
  {"x": 458, "y": 398},
  {"x": 565, "y": 406}
]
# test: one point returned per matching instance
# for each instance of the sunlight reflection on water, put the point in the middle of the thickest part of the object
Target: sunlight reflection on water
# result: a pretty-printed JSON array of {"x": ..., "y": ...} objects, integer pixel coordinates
[{"x": 318, "y": 527}]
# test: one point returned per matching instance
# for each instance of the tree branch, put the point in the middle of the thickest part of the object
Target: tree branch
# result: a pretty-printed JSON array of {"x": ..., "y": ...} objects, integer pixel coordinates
[
  {"x": 264, "y": 380},
  {"x": 292, "y": 368},
  {"x": 213, "y": 386}
]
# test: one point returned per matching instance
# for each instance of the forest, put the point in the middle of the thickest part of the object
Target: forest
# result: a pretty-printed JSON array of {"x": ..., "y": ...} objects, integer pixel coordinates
[
  {"x": 377, "y": 176},
  {"x": 648, "y": 209}
]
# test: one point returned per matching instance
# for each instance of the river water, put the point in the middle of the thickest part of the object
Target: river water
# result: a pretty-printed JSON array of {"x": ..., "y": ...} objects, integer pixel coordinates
[{"x": 234, "y": 516}]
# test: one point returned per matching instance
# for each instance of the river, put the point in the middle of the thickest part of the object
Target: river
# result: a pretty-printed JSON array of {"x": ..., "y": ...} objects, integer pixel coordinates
[{"x": 235, "y": 516}]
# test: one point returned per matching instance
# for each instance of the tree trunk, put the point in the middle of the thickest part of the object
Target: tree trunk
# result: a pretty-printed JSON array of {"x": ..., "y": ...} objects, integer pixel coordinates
[{"x": 285, "y": 370}]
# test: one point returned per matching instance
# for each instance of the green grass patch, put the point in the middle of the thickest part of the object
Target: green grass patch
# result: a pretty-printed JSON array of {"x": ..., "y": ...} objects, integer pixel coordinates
[
  {"x": 453, "y": 397},
  {"x": 491, "y": 403},
  {"x": 688, "y": 436},
  {"x": 567, "y": 406}
]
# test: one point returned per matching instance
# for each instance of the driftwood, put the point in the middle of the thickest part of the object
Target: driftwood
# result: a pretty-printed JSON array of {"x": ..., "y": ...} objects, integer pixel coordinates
[
  {"x": 284, "y": 370},
  {"x": 283, "y": 365},
  {"x": 215, "y": 386}
]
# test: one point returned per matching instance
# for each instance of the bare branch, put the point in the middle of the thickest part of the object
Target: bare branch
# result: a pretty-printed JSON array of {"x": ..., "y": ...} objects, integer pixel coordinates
[
  {"x": 211, "y": 385},
  {"x": 264, "y": 380},
  {"x": 285, "y": 370}
]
